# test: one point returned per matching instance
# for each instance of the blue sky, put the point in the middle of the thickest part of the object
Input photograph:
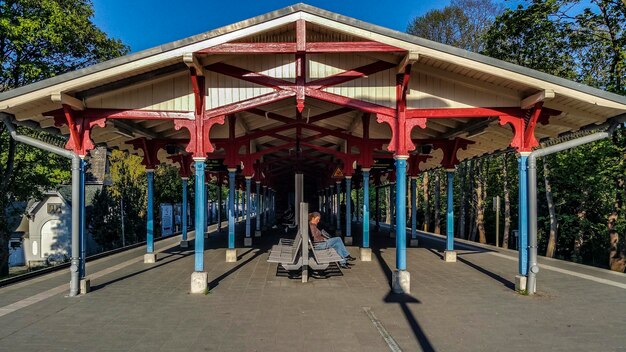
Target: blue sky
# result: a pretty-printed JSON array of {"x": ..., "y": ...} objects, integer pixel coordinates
[{"x": 143, "y": 24}]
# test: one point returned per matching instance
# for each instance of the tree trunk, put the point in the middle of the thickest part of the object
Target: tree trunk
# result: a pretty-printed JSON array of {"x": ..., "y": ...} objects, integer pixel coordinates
[
  {"x": 551, "y": 210},
  {"x": 426, "y": 202},
  {"x": 461, "y": 231},
  {"x": 481, "y": 193},
  {"x": 472, "y": 201},
  {"x": 580, "y": 237},
  {"x": 617, "y": 256},
  {"x": 507, "y": 202},
  {"x": 437, "y": 191}
]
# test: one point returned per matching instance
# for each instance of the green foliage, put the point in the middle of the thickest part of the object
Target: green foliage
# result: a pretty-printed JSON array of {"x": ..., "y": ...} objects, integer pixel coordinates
[
  {"x": 129, "y": 185},
  {"x": 43, "y": 38},
  {"x": 104, "y": 220}
]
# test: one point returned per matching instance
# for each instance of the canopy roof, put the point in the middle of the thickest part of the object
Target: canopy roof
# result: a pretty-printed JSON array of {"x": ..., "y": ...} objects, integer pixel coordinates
[{"x": 367, "y": 59}]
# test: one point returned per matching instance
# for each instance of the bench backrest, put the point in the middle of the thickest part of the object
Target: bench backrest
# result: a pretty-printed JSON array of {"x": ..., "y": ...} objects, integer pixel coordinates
[{"x": 295, "y": 247}]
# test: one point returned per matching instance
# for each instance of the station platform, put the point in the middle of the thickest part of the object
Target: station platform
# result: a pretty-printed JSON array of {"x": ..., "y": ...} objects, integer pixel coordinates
[{"x": 469, "y": 305}]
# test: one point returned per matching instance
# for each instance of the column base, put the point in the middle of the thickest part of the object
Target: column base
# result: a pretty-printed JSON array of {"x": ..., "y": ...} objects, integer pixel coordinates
[
  {"x": 392, "y": 234},
  {"x": 199, "y": 282},
  {"x": 206, "y": 235},
  {"x": 520, "y": 283},
  {"x": 247, "y": 242},
  {"x": 449, "y": 256},
  {"x": 401, "y": 281},
  {"x": 347, "y": 241},
  {"x": 338, "y": 232},
  {"x": 184, "y": 244},
  {"x": 85, "y": 286},
  {"x": 231, "y": 255},
  {"x": 257, "y": 233},
  {"x": 366, "y": 254},
  {"x": 149, "y": 258},
  {"x": 414, "y": 242}
]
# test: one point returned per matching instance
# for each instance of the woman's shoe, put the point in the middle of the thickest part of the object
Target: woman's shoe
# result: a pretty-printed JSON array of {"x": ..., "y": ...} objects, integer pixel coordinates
[
  {"x": 350, "y": 258},
  {"x": 344, "y": 266}
]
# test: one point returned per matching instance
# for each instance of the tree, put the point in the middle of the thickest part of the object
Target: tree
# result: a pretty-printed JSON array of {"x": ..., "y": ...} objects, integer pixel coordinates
[
  {"x": 41, "y": 39},
  {"x": 507, "y": 202},
  {"x": 129, "y": 183},
  {"x": 462, "y": 24},
  {"x": 530, "y": 37},
  {"x": 104, "y": 220}
]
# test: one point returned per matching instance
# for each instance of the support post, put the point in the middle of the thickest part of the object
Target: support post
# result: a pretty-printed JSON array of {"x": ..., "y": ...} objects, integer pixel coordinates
[
  {"x": 150, "y": 256},
  {"x": 184, "y": 243},
  {"x": 257, "y": 232},
  {"x": 366, "y": 251},
  {"x": 265, "y": 206},
  {"x": 248, "y": 239},
  {"x": 299, "y": 193},
  {"x": 449, "y": 254},
  {"x": 392, "y": 209},
  {"x": 414, "y": 242},
  {"x": 348, "y": 199},
  {"x": 199, "y": 283},
  {"x": 81, "y": 228},
  {"x": 219, "y": 206},
  {"x": 205, "y": 207},
  {"x": 338, "y": 207},
  {"x": 401, "y": 277},
  {"x": 522, "y": 239},
  {"x": 231, "y": 252}
]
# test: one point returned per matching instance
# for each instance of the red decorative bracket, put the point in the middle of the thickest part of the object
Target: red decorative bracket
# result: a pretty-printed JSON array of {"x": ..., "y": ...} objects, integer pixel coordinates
[
  {"x": 185, "y": 161},
  {"x": 449, "y": 149},
  {"x": 80, "y": 129},
  {"x": 150, "y": 148},
  {"x": 414, "y": 163}
]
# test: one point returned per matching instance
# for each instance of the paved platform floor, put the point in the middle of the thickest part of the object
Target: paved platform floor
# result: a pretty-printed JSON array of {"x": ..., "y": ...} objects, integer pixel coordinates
[{"x": 465, "y": 306}]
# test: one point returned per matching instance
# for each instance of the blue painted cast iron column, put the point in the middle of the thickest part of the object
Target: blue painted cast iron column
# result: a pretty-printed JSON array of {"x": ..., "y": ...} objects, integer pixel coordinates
[
  {"x": 199, "y": 207},
  {"x": 450, "y": 211},
  {"x": 522, "y": 241},
  {"x": 356, "y": 211},
  {"x": 82, "y": 222},
  {"x": 265, "y": 205},
  {"x": 348, "y": 206},
  {"x": 184, "y": 210},
  {"x": 231, "y": 208},
  {"x": 366, "y": 208},
  {"x": 150, "y": 212},
  {"x": 392, "y": 204},
  {"x": 248, "y": 185},
  {"x": 413, "y": 208},
  {"x": 205, "y": 206},
  {"x": 338, "y": 206},
  {"x": 400, "y": 212},
  {"x": 258, "y": 208}
]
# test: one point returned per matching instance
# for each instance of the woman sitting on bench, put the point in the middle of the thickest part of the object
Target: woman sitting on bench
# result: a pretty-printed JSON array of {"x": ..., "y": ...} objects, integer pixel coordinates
[{"x": 322, "y": 242}]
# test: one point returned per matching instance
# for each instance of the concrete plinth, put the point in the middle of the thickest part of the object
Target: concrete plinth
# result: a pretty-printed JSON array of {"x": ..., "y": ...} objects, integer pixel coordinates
[
  {"x": 206, "y": 235},
  {"x": 149, "y": 258},
  {"x": 257, "y": 233},
  {"x": 184, "y": 244},
  {"x": 366, "y": 254},
  {"x": 414, "y": 242},
  {"x": 348, "y": 241},
  {"x": 338, "y": 232},
  {"x": 85, "y": 286},
  {"x": 199, "y": 282},
  {"x": 520, "y": 283},
  {"x": 392, "y": 234},
  {"x": 231, "y": 255},
  {"x": 247, "y": 242},
  {"x": 401, "y": 281},
  {"x": 449, "y": 256}
]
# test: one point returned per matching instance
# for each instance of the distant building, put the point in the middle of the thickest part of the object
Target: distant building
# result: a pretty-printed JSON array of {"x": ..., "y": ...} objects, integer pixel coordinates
[{"x": 44, "y": 234}]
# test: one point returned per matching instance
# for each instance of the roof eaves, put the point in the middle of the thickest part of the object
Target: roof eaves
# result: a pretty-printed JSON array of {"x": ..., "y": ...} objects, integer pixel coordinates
[{"x": 324, "y": 14}]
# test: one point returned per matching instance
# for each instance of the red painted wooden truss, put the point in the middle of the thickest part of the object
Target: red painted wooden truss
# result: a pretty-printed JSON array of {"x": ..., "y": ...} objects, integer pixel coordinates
[{"x": 80, "y": 129}]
